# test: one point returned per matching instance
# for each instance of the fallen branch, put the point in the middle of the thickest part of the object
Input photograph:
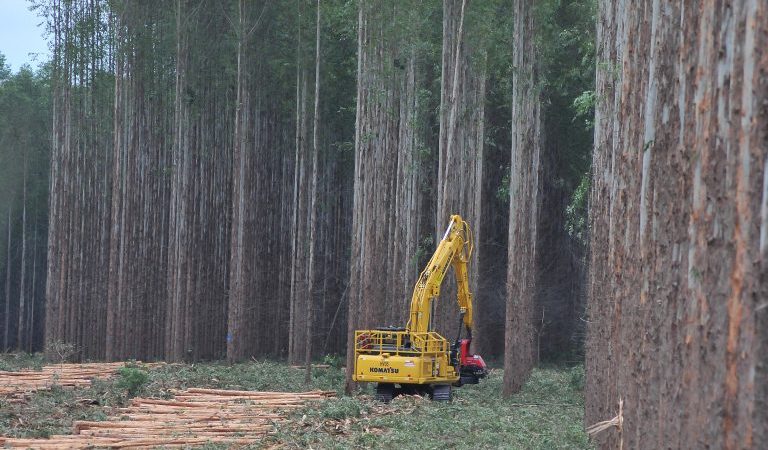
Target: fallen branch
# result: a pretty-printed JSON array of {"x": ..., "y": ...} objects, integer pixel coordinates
[
  {"x": 314, "y": 366},
  {"x": 617, "y": 422},
  {"x": 547, "y": 404}
]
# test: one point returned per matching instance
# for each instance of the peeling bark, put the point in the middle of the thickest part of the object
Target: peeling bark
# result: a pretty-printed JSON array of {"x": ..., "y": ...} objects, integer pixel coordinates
[{"x": 677, "y": 269}]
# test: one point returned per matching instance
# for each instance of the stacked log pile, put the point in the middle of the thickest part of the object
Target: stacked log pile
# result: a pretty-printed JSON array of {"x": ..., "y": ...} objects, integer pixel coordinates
[
  {"x": 193, "y": 417},
  {"x": 18, "y": 384}
]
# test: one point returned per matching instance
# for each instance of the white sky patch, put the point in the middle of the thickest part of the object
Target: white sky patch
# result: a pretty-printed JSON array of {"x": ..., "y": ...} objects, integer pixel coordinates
[{"x": 22, "y": 35}]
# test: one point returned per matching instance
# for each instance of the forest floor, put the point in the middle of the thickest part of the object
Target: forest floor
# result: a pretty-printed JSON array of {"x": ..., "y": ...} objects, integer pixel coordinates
[{"x": 547, "y": 414}]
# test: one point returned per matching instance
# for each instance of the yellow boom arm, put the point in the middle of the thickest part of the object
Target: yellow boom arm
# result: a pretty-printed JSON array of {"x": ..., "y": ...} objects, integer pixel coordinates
[{"x": 454, "y": 249}]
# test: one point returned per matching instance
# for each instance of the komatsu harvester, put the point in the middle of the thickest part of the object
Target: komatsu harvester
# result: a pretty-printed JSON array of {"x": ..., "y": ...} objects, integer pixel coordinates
[{"x": 416, "y": 359}]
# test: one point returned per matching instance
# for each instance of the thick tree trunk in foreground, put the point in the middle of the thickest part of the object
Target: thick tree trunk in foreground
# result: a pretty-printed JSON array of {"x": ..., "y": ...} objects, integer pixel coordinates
[{"x": 679, "y": 221}]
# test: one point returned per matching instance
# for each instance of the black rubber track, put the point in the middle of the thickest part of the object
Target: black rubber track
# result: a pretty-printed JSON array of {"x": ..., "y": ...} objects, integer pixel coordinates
[
  {"x": 385, "y": 392},
  {"x": 442, "y": 393}
]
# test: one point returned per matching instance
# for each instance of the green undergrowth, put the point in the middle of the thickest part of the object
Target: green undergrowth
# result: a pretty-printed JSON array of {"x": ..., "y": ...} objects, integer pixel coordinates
[
  {"x": 17, "y": 361},
  {"x": 546, "y": 414},
  {"x": 251, "y": 376},
  {"x": 48, "y": 412}
]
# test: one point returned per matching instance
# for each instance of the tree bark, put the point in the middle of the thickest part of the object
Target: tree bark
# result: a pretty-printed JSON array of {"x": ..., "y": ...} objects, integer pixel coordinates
[
  {"x": 236, "y": 320},
  {"x": 7, "y": 329},
  {"x": 32, "y": 325},
  {"x": 310, "y": 295},
  {"x": 114, "y": 291},
  {"x": 519, "y": 355},
  {"x": 676, "y": 304},
  {"x": 21, "y": 331},
  {"x": 297, "y": 333}
]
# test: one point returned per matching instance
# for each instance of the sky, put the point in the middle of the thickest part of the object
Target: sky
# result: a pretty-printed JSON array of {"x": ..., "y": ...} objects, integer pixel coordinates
[{"x": 20, "y": 35}]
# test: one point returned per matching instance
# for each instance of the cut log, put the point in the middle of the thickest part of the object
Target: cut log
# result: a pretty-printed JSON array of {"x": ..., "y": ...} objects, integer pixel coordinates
[{"x": 194, "y": 417}]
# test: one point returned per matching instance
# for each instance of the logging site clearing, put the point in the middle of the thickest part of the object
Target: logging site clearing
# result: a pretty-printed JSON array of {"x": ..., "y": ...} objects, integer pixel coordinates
[
  {"x": 387, "y": 224},
  {"x": 265, "y": 404}
]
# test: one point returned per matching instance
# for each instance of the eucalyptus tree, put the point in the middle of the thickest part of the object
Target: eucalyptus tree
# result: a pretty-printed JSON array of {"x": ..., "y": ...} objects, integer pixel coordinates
[{"x": 677, "y": 312}]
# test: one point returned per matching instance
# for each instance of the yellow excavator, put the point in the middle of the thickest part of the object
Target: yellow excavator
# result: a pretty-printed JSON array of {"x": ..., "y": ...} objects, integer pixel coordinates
[{"x": 416, "y": 359}]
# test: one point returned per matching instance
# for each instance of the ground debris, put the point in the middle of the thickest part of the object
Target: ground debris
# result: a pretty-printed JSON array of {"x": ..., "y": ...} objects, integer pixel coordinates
[
  {"x": 18, "y": 385},
  {"x": 193, "y": 417}
]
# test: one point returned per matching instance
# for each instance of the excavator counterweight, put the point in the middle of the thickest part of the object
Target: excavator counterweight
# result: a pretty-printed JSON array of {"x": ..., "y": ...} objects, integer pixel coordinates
[{"x": 416, "y": 359}]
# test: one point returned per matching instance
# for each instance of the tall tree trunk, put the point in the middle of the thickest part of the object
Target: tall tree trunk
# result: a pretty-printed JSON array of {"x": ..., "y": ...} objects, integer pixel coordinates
[
  {"x": 679, "y": 218},
  {"x": 298, "y": 299},
  {"x": 52, "y": 269},
  {"x": 7, "y": 329},
  {"x": 114, "y": 291},
  {"x": 21, "y": 332},
  {"x": 353, "y": 316},
  {"x": 177, "y": 262},
  {"x": 310, "y": 295},
  {"x": 519, "y": 355},
  {"x": 31, "y": 323},
  {"x": 236, "y": 320},
  {"x": 452, "y": 67},
  {"x": 296, "y": 181}
]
